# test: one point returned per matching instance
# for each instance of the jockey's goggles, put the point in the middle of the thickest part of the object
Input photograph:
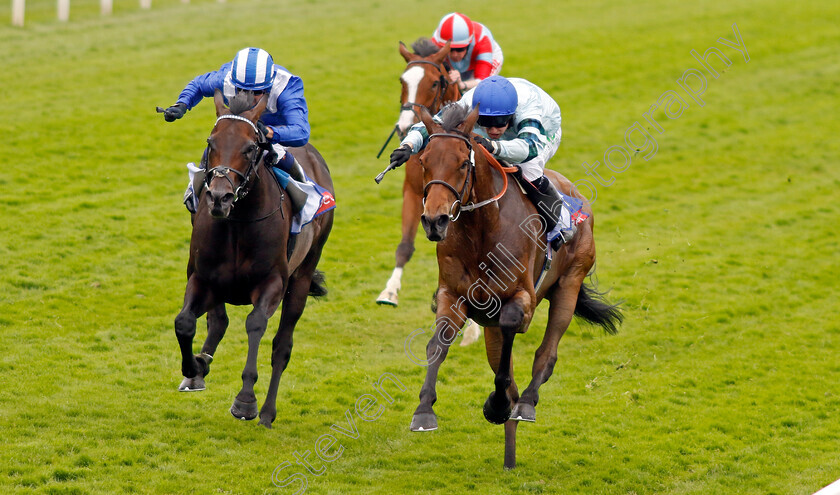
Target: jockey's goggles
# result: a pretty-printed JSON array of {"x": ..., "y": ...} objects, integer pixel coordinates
[{"x": 497, "y": 121}]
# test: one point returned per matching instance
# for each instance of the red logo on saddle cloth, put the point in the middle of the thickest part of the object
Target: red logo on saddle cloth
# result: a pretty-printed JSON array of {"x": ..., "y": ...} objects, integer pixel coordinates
[
  {"x": 327, "y": 203},
  {"x": 578, "y": 217}
]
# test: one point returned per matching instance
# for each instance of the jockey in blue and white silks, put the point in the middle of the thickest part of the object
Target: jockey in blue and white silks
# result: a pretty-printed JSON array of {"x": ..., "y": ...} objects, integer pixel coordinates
[
  {"x": 519, "y": 123},
  {"x": 285, "y": 121}
]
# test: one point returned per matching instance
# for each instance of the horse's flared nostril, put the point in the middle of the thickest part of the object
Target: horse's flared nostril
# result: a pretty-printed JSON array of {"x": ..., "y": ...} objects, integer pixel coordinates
[{"x": 435, "y": 227}]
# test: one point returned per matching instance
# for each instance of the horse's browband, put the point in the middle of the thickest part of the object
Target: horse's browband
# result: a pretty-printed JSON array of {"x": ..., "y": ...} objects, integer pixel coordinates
[
  {"x": 452, "y": 134},
  {"x": 437, "y": 66},
  {"x": 239, "y": 117}
]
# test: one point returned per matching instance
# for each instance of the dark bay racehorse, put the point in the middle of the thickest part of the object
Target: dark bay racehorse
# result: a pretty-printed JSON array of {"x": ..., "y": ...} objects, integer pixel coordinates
[
  {"x": 239, "y": 253},
  {"x": 489, "y": 259},
  {"x": 425, "y": 84}
]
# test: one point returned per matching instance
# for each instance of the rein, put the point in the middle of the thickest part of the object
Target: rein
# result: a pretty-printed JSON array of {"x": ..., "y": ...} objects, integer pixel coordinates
[{"x": 460, "y": 195}]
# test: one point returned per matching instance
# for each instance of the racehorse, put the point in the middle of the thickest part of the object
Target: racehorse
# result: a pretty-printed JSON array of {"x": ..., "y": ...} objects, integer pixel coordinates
[
  {"x": 490, "y": 253},
  {"x": 425, "y": 84},
  {"x": 240, "y": 253}
]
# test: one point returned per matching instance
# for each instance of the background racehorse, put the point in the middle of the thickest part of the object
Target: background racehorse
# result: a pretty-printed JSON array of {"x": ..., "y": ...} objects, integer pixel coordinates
[
  {"x": 489, "y": 259},
  {"x": 239, "y": 253},
  {"x": 425, "y": 84}
]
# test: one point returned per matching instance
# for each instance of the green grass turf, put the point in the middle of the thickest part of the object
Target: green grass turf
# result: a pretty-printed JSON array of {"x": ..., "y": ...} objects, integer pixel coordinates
[{"x": 723, "y": 246}]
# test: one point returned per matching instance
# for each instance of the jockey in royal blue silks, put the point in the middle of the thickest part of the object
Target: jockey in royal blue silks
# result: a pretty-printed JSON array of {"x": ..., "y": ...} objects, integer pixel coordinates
[{"x": 285, "y": 121}]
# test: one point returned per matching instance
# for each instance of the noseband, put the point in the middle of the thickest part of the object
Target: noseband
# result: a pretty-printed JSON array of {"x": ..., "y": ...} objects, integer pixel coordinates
[
  {"x": 459, "y": 195},
  {"x": 223, "y": 171}
]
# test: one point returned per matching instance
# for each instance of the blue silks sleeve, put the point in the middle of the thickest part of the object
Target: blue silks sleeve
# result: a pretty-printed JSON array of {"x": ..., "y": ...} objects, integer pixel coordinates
[
  {"x": 203, "y": 86},
  {"x": 291, "y": 121}
]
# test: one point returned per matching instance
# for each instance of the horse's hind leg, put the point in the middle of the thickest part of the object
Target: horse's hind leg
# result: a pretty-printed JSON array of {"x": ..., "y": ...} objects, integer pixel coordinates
[
  {"x": 281, "y": 347},
  {"x": 196, "y": 301},
  {"x": 266, "y": 300},
  {"x": 412, "y": 208},
  {"x": 563, "y": 299}
]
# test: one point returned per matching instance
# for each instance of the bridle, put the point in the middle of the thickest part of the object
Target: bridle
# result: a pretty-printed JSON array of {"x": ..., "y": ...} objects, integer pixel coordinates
[
  {"x": 444, "y": 85},
  {"x": 459, "y": 196},
  {"x": 223, "y": 171},
  {"x": 411, "y": 105}
]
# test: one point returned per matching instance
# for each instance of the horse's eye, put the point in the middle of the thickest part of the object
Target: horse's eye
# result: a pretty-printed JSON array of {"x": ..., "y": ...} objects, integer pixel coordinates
[{"x": 464, "y": 165}]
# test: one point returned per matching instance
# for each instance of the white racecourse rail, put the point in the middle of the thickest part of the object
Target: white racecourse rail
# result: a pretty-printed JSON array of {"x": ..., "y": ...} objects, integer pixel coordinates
[{"x": 63, "y": 8}]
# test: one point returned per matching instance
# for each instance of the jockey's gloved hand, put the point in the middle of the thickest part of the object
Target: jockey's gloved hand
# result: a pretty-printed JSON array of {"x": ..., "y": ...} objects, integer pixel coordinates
[
  {"x": 401, "y": 155},
  {"x": 263, "y": 129},
  {"x": 175, "y": 112},
  {"x": 488, "y": 145}
]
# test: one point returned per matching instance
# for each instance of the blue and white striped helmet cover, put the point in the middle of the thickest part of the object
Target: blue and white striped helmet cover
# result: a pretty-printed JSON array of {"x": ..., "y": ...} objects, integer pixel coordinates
[{"x": 253, "y": 69}]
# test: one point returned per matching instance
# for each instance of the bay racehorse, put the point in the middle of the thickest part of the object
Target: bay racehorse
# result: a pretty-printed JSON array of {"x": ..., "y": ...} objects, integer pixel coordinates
[
  {"x": 489, "y": 258},
  {"x": 240, "y": 253},
  {"x": 425, "y": 84}
]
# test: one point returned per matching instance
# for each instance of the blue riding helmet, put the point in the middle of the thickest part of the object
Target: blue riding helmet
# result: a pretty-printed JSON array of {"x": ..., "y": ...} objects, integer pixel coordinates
[
  {"x": 497, "y": 101},
  {"x": 253, "y": 69}
]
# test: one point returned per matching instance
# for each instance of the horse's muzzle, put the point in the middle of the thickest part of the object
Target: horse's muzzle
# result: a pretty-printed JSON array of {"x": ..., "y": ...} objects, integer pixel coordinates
[
  {"x": 435, "y": 227},
  {"x": 221, "y": 203}
]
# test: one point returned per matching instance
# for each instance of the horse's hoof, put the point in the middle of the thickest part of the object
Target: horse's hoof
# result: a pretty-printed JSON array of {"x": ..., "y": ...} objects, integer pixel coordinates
[
  {"x": 266, "y": 420},
  {"x": 493, "y": 415},
  {"x": 388, "y": 298},
  {"x": 244, "y": 410},
  {"x": 524, "y": 412},
  {"x": 194, "y": 384},
  {"x": 424, "y": 422}
]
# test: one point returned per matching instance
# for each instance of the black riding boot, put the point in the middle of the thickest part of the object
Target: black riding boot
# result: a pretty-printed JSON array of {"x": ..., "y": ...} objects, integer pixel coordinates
[{"x": 549, "y": 204}]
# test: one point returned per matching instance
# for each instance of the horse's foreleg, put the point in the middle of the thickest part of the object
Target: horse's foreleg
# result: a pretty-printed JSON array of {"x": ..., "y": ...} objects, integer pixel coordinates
[
  {"x": 412, "y": 208},
  {"x": 493, "y": 344},
  {"x": 281, "y": 347},
  {"x": 266, "y": 299},
  {"x": 217, "y": 323},
  {"x": 562, "y": 307},
  {"x": 513, "y": 318},
  {"x": 447, "y": 323},
  {"x": 196, "y": 301}
]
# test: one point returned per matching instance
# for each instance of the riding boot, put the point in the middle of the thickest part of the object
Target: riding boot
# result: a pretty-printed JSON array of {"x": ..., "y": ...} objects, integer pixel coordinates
[
  {"x": 549, "y": 205},
  {"x": 291, "y": 166}
]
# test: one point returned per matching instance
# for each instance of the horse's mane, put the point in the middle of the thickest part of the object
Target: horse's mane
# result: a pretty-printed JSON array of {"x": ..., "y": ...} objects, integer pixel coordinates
[
  {"x": 244, "y": 100},
  {"x": 452, "y": 116},
  {"x": 424, "y": 47}
]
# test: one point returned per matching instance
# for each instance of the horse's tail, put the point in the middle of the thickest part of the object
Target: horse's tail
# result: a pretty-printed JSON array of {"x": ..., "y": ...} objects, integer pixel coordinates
[
  {"x": 318, "y": 286},
  {"x": 593, "y": 307}
]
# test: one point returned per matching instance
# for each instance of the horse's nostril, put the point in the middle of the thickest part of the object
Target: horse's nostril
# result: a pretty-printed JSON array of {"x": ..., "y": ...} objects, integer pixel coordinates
[{"x": 442, "y": 221}]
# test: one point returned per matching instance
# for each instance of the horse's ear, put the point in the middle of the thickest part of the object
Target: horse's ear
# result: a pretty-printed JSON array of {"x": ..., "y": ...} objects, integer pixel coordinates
[
  {"x": 470, "y": 121},
  {"x": 426, "y": 118},
  {"x": 441, "y": 54},
  {"x": 405, "y": 53},
  {"x": 221, "y": 109},
  {"x": 254, "y": 113}
]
